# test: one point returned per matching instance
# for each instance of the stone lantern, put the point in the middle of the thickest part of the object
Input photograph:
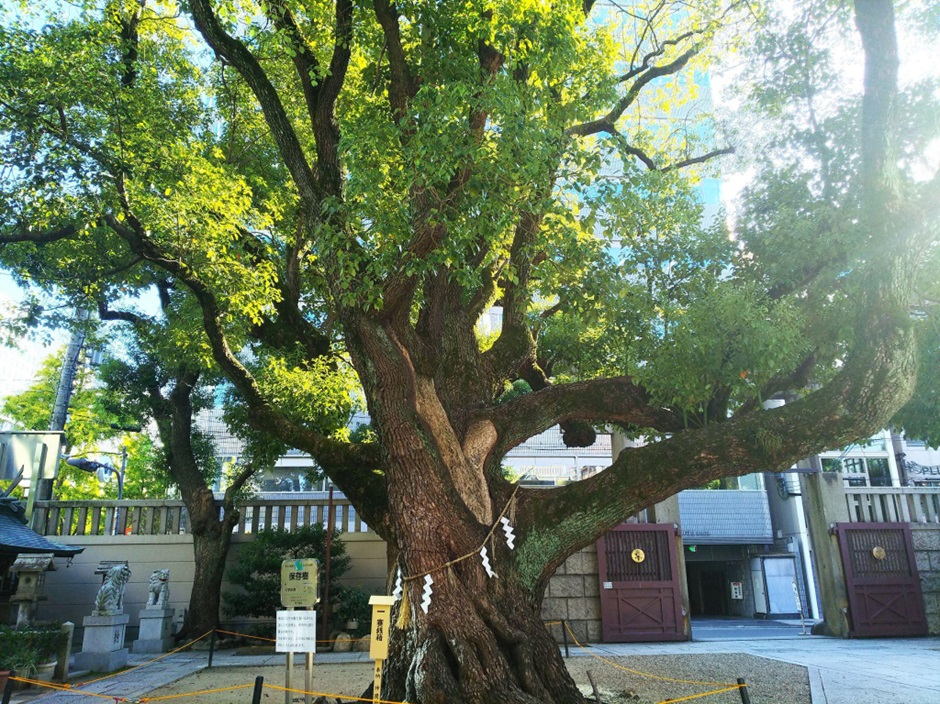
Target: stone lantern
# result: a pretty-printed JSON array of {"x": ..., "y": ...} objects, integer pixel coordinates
[{"x": 30, "y": 571}]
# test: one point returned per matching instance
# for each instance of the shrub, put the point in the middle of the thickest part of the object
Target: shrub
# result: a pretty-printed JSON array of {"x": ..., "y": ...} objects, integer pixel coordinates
[
  {"x": 353, "y": 605},
  {"x": 258, "y": 570}
]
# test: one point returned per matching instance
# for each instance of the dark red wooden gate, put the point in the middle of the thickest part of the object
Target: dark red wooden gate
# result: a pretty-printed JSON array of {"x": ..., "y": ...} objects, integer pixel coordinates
[
  {"x": 881, "y": 578},
  {"x": 640, "y": 596}
]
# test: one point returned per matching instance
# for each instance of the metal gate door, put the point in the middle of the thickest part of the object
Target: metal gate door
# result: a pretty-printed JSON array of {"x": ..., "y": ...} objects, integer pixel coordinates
[
  {"x": 881, "y": 578},
  {"x": 640, "y": 596}
]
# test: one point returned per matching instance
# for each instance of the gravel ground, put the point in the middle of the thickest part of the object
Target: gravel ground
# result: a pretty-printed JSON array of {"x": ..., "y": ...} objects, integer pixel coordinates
[{"x": 769, "y": 681}]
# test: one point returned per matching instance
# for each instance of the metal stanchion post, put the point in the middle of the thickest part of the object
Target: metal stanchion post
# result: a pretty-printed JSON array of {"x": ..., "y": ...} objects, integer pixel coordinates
[
  {"x": 745, "y": 697},
  {"x": 211, "y": 650},
  {"x": 256, "y": 694},
  {"x": 8, "y": 690},
  {"x": 564, "y": 635}
]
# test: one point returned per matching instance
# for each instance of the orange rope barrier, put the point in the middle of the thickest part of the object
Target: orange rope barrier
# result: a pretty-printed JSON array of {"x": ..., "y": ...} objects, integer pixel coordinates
[
  {"x": 144, "y": 664},
  {"x": 193, "y": 694},
  {"x": 244, "y": 635},
  {"x": 65, "y": 688},
  {"x": 648, "y": 674},
  {"x": 271, "y": 640}
]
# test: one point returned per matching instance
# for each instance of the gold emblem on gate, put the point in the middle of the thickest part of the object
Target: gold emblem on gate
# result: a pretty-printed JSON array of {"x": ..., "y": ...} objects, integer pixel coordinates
[
  {"x": 638, "y": 555},
  {"x": 878, "y": 552}
]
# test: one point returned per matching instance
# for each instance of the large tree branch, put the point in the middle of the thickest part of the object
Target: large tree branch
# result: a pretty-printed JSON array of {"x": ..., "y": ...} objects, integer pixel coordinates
[
  {"x": 55, "y": 234},
  {"x": 403, "y": 86},
  {"x": 876, "y": 379},
  {"x": 796, "y": 379},
  {"x": 126, "y": 316},
  {"x": 290, "y": 326},
  {"x": 701, "y": 159},
  {"x": 332, "y": 454},
  {"x": 400, "y": 289},
  {"x": 656, "y": 53},
  {"x": 235, "y": 53},
  {"x": 305, "y": 63},
  {"x": 875, "y": 22},
  {"x": 515, "y": 346},
  {"x": 131, "y": 43},
  {"x": 611, "y": 400},
  {"x": 320, "y": 94}
]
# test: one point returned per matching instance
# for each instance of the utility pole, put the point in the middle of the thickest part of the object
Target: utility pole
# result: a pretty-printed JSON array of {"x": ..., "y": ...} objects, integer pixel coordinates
[{"x": 64, "y": 391}]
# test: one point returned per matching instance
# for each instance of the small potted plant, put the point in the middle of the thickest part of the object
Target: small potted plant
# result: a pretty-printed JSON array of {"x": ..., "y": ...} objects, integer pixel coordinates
[{"x": 29, "y": 653}]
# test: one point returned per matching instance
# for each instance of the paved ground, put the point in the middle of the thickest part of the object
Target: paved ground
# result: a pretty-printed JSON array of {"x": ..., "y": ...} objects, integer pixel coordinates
[
  {"x": 746, "y": 629},
  {"x": 861, "y": 671},
  {"x": 870, "y": 671}
]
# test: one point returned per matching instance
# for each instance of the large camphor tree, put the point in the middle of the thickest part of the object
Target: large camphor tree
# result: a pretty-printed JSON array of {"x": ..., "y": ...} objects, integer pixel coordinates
[{"x": 346, "y": 189}]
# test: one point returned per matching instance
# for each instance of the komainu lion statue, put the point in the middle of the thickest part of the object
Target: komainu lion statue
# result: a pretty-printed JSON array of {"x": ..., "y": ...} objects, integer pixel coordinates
[
  {"x": 159, "y": 589},
  {"x": 110, "y": 599}
]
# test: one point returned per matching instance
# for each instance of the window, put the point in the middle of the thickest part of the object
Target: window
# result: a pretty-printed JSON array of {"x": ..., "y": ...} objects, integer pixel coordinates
[
  {"x": 879, "y": 474},
  {"x": 860, "y": 471}
]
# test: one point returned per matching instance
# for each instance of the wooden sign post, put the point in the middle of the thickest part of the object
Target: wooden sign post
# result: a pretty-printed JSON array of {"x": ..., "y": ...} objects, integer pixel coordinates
[
  {"x": 298, "y": 588},
  {"x": 378, "y": 643}
]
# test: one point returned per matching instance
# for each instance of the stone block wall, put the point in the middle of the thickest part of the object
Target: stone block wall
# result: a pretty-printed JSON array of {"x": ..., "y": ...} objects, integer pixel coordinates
[
  {"x": 926, "y": 539},
  {"x": 573, "y": 595}
]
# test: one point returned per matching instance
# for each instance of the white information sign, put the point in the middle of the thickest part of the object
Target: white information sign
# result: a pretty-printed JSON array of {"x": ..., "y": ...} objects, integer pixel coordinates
[{"x": 296, "y": 632}]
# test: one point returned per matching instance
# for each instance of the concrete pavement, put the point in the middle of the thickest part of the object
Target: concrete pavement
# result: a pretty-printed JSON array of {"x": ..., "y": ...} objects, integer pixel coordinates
[{"x": 869, "y": 671}]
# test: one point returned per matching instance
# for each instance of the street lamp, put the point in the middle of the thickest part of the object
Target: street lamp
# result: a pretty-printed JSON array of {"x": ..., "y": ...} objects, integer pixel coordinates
[{"x": 104, "y": 472}]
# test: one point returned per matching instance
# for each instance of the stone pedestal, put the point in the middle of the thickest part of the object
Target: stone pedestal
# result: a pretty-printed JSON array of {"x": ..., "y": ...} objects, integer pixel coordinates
[
  {"x": 103, "y": 643},
  {"x": 156, "y": 631}
]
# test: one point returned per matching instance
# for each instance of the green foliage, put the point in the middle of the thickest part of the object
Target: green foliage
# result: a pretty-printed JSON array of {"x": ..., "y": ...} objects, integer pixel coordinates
[
  {"x": 92, "y": 410},
  {"x": 23, "y": 650},
  {"x": 352, "y": 605},
  {"x": 258, "y": 569},
  {"x": 920, "y": 418}
]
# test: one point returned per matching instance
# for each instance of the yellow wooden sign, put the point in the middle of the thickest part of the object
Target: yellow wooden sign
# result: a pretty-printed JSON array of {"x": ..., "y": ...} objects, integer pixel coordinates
[
  {"x": 378, "y": 644},
  {"x": 638, "y": 555},
  {"x": 377, "y": 681},
  {"x": 381, "y": 626}
]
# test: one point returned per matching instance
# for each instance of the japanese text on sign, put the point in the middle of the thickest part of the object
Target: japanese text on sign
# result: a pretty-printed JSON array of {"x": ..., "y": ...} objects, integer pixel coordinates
[
  {"x": 296, "y": 632},
  {"x": 299, "y": 582},
  {"x": 381, "y": 617}
]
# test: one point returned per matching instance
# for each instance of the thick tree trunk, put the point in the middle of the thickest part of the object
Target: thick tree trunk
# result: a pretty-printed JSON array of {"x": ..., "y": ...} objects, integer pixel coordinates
[
  {"x": 212, "y": 538},
  {"x": 210, "y": 550},
  {"x": 481, "y": 640}
]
